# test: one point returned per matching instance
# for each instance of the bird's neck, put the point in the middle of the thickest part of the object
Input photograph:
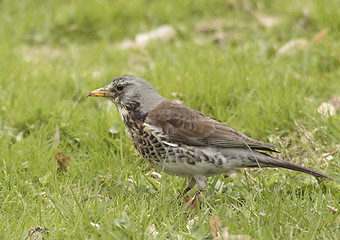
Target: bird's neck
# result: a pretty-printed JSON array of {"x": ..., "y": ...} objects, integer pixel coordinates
[{"x": 131, "y": 115}]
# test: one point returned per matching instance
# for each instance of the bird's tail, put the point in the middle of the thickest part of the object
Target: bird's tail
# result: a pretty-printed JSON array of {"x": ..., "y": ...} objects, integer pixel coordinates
[{"x": 265, "y": 160}]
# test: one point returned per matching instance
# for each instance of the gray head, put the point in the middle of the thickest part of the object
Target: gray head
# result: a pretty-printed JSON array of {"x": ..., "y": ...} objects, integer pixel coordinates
[{"x": 131, "y": 93}]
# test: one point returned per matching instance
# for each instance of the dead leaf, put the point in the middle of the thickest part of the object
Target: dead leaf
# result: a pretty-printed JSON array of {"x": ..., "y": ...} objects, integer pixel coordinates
[
  {"x": 292, "y": 47},
  {"x": 163, "y": 33},
  {"x": 62, "y": 161},
  {"x": 320, "y": 35},
  {"x": 267, "y": 21},
  {"x": 215, "y": 225}
]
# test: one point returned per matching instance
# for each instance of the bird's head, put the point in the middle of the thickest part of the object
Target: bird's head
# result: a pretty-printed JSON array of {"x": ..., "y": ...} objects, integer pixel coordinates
[{"x": 130, "y": 93}]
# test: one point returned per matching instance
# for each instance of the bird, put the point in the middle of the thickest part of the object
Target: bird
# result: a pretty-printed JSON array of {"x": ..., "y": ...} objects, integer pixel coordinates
[{"x": 184, "y": 142}]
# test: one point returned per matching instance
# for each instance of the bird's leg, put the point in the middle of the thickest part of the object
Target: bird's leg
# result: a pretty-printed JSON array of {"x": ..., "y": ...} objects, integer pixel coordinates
[
  {"x": 201, "y": 185},
  {"x": 195, "y": 201},
  {"x": 187, "y": 189},
  {"x": 191, "y": 185}
]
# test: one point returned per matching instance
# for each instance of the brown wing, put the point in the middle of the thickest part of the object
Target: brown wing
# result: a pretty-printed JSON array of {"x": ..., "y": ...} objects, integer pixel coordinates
[{"x": 190, "y": 127}]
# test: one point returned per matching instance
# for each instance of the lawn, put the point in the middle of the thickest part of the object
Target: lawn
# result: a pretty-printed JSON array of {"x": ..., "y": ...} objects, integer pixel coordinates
[{"x": 269, "y": 69}]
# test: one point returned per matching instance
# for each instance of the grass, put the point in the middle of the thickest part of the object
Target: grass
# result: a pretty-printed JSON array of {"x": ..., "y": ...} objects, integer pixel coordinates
[{"x": 54, "y": 53}]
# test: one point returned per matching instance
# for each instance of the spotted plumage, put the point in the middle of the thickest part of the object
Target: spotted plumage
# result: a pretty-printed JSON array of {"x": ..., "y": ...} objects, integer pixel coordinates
[{"x": 181, "y": 141}]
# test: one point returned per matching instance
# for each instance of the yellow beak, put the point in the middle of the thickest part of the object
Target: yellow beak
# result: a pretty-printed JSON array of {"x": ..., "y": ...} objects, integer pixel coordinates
[{"x": 101, "y": 92}]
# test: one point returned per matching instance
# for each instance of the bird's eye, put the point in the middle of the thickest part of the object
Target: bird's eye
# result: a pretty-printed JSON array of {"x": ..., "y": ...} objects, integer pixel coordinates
[{"x": 119, "y": 87}]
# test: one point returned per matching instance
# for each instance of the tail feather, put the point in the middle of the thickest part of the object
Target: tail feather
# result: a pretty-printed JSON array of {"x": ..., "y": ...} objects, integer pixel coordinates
[{"x": 268, "y": 161}]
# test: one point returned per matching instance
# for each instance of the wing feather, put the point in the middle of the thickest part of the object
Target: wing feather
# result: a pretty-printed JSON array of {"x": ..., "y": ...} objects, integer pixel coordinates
[{"x": 185, "y": 125}]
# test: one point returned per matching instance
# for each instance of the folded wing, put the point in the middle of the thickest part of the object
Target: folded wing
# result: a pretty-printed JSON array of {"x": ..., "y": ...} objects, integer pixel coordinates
[{"x": 187, "y": 126}]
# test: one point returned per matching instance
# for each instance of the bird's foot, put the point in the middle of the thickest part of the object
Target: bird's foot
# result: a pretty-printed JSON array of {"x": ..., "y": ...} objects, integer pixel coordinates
[
  {"x": 180, "y": 195},
  {"x": 195, "y": 201}
]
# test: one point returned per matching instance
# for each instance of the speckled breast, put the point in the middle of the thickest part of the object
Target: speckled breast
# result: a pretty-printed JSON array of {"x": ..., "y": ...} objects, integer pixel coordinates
[
  {"x": 155, "y": 149},
  {"x": 148, "y": 145}
]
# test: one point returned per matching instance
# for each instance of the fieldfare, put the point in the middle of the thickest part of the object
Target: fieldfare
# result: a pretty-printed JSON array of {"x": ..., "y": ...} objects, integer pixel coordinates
[{"x": 181, "y": 141}]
